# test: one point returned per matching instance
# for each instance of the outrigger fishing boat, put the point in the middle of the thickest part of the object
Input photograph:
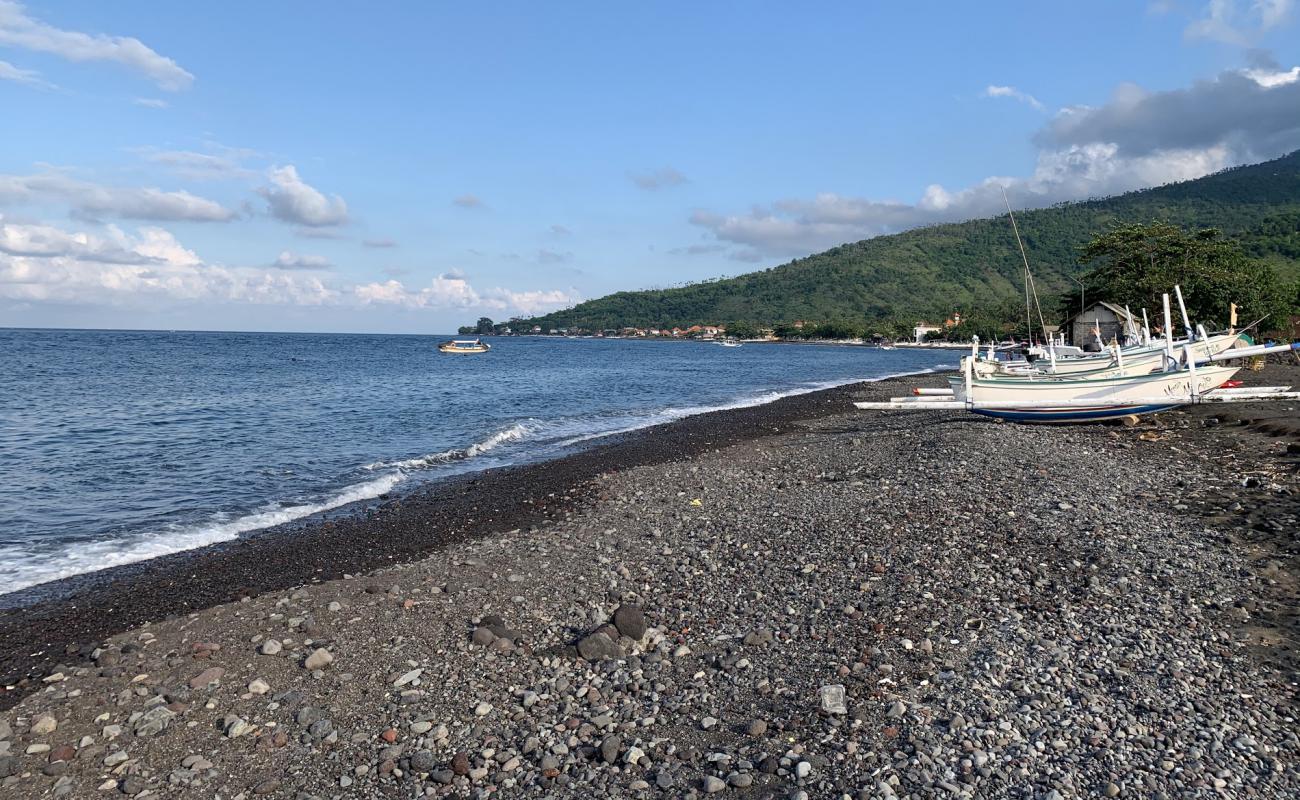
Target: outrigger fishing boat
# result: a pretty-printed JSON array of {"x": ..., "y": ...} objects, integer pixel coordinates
[
  {"x": 464, "y": 346},
  {"x": 1180, "y": 379}
]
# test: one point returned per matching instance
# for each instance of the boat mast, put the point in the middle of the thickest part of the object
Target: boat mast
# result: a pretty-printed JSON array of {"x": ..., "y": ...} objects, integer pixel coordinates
[{"x": 1029, "y": 278}]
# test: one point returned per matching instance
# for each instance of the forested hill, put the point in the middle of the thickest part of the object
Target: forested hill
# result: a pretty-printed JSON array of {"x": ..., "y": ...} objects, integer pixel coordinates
[{"x": 968, "y": 265}]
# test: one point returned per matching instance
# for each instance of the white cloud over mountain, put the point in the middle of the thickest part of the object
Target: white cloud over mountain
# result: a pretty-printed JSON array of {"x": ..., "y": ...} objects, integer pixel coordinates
[{"x": 1136, "y": 140}]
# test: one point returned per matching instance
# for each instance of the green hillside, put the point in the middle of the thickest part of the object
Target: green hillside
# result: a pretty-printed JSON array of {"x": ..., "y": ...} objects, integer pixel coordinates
[{"x": 967, "y": 265}]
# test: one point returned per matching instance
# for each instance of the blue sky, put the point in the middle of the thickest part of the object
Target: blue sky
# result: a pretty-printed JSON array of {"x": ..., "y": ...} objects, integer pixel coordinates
[{"x": 407, "y": 167}]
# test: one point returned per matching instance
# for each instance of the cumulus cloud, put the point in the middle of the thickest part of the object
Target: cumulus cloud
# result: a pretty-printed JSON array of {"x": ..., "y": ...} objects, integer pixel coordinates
[
  {"x": 468, "y": 201},
  {"x": 41, "y": 263},
  {"x": 663, "y": 178},
  {"x": 1139, "y": 139},
  {"x": 292, "y": 200},
  {"x": 1255, "y": 112},
  {"x": 1013, "y": 93},
  {"x": 452, "y": 290},
  {"x": 1237, "y": 22},
  {"x": 92, "y": 200},
  {"x": 8, "y": 72},
  {"x": 150, "y": 268},
  {"x": 18, "y": 29},
  {"x": 291, "y": 260}
]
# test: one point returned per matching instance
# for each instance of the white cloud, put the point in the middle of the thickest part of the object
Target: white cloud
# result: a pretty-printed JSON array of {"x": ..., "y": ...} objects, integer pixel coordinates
[
  {"x": 291, "y": 260},
  {"x": 468, "y": 201},
  {"x": 1237, "y": 22},
  {"x": 662, "y": 178},
  {"x": 1271, "y": 78},
  {"x": 149, "y": 102},
  {"x": 379, "y": 243},
  {"x": 1137, "y": 140},
  {"x": 17, "y": 29},
  {"x": 1013, "y": 93},
  {"x": 452, "y": 290},
  {"x": 198, "y": 166},
  {"x": 94, "y": 200},
  {"x": 151, "y": 270},
  {"x": 8, "y": 72},
  {"x": 292, "y": 200},
  {"x": 40, "y": 263}
]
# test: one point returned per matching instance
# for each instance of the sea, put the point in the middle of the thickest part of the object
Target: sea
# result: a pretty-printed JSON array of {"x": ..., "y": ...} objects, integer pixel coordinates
[{"x": 120, "y": 446}]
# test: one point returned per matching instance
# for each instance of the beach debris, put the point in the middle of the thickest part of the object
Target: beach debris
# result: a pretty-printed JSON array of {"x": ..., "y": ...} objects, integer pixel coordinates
[{"x": 832, "y": 699}]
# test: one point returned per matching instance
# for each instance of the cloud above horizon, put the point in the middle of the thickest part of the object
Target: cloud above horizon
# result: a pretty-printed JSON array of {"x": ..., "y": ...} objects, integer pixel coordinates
[
  {"x": 94, "y": 201},
  {"x": 291, "y": 260},
  {"x": 18, "y": 29},
  {"x": 291, "y": 199},
  {"x": 46, "y": 263},
  {"x": 1137, "y": 140}
]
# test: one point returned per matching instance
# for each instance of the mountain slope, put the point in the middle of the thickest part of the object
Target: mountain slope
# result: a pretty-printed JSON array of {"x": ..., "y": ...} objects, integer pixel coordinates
[{"x": 965, "y": 265}]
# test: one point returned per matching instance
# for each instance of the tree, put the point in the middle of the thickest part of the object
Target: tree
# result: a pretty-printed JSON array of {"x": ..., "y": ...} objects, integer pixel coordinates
[
  {"x": 1134, "y": 264},
  {"x": 484, "y": 326}
]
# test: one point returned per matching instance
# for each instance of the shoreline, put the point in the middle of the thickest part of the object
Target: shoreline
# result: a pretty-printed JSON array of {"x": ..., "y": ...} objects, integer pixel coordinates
[
  {"x": 819, "y": 601},
  {"x": 46, "y": 624}
]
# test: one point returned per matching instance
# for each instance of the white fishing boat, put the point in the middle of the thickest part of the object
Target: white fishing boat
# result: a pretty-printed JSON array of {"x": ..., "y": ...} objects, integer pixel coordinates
[
  {"x": 1186, "y": 378},
  {"x": 723, "y": 343},
  {"x": 464, "y": 347}
]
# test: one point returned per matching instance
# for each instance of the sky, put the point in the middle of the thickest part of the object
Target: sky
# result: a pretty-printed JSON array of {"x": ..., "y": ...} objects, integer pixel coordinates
[{"x": 409, "y": 167}]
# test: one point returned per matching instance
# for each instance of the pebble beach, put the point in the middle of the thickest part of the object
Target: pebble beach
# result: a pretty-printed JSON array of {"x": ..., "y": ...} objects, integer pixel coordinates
[{"x": 797, "y": 600}]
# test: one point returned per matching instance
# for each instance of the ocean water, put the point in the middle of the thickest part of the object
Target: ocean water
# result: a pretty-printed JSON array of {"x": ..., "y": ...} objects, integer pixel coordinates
[{"x": 119, "y": 446}]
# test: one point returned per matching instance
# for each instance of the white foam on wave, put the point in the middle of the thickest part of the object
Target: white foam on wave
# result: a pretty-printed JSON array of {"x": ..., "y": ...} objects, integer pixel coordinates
[
  {"x": 23, "y": 569},
  {"x": 513, "y": 433}
]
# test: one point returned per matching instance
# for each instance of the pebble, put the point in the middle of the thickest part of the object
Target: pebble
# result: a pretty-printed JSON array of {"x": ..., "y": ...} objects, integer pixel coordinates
[
  {"x": 320, "y": 658},
  {"x": 271, "y": 647}
]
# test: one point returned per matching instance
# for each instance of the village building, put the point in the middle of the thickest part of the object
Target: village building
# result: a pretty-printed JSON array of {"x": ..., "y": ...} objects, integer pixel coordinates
[
  {"x": 1111, "y": 320},
  {"x": 922, "y": 330}
]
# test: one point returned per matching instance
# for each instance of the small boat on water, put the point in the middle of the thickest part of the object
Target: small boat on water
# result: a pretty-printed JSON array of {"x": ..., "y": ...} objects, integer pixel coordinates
[
  {"x": 464, "y": 346},
  {"x": 727, "y": 344}
]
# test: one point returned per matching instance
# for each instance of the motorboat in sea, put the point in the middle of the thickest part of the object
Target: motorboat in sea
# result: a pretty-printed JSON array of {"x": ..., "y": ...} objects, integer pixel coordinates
[
  {"x": 724, "y": 343},
  {"x": 464, "y": 346}
]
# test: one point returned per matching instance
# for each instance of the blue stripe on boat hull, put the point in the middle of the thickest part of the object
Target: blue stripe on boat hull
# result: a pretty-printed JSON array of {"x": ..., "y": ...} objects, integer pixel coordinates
[{"x": 1070, "y": 414}]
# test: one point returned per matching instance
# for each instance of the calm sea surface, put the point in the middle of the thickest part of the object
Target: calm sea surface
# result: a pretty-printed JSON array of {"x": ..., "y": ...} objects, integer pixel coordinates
[{"x": 118, "y": 446}]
